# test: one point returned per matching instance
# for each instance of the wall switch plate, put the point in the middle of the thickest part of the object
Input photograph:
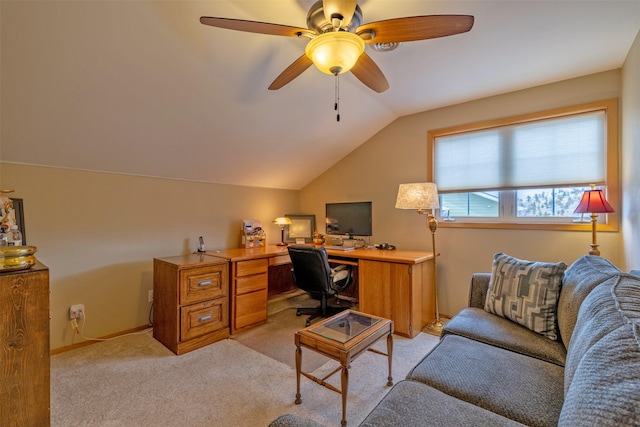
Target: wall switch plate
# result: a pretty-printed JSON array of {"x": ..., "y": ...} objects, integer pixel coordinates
[{"x": 150, "y": 296}]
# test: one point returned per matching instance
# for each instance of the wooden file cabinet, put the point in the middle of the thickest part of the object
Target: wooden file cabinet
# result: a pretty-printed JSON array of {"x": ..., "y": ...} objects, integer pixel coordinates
[
  {"x": 249, "y": 288},
  {"x": 191, "y": 301},
  {"x": 24, "y": 336}
]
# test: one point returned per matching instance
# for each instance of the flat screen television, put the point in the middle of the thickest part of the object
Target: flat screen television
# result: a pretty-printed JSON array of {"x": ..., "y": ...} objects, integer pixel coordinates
[{"x": 351, "y": 218}]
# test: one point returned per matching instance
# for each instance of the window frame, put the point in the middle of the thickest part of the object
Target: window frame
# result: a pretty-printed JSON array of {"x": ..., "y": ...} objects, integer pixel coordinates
[{"x": 610, "y": 108}]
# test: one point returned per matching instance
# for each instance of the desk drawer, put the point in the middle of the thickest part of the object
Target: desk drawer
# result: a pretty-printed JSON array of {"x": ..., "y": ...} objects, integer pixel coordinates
[
  {"x": 254, "y": 266},
  {"x": 203, "y": 318},
  {"x": 250, "y": 309},
  {"x": 199, "y": 284},
  {"x": 257, "y": 282},
  {"x": 279, "y": 260}
]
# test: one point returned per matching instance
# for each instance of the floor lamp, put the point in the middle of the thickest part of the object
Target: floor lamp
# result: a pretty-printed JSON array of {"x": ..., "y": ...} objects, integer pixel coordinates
[
  {"x": 593, "y": 202},
  {"x": 423, "y": 198}
]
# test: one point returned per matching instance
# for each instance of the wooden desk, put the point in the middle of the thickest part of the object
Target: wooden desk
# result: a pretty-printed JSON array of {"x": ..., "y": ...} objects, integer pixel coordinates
[{"x": 396, "y": 285}]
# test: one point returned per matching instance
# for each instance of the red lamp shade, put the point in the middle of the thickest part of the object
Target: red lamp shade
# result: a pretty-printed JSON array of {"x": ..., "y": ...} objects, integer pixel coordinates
[{"x": 593, "y": 201}]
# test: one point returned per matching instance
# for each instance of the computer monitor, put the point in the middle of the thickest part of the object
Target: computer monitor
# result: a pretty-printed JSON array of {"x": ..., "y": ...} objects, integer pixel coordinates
[{"x": 351, "y": 218}]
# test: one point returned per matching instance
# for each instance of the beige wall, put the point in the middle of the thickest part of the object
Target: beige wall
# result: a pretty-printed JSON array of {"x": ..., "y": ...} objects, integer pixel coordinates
[
  {"x": 631, "y": 157},
  {"x": 98, "y": 234},
  {"x": 398, "y": 154}
]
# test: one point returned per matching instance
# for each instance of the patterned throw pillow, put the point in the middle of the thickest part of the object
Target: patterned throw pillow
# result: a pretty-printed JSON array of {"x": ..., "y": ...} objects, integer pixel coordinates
[{"x": 526, "y": 292}]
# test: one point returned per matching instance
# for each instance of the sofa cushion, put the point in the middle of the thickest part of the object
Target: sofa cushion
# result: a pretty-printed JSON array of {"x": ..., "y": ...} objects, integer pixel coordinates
[
  {"x": 477, "y": 324},
  {"x": 526, "y": 292},
  {"x": 580, "y": 278},
  {"x": 602, "y": 375},
  {"x": 412, "y": 404},
  {"x": 524, "y": 389}
]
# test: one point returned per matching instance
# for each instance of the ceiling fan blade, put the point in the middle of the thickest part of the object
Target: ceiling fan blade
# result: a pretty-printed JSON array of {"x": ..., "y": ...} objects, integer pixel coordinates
[
  {"x": 255, "y": 26},
  {"x": 344, "y": 8},
  {"x": 413, "y": 28},
  {"x": 370, "y": 74},
  {"x": 292, "y": 71}
]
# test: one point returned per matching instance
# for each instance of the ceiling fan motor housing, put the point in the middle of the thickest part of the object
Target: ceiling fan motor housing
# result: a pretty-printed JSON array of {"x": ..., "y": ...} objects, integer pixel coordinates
[{"x": 317, "y": 22}]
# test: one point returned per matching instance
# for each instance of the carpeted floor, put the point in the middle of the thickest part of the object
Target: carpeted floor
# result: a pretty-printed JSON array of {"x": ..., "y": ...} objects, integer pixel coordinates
[
  {"x": 276, "y": 337},
  {"x": 135, "y": 381},
  {"x": 276, "y": 340}
]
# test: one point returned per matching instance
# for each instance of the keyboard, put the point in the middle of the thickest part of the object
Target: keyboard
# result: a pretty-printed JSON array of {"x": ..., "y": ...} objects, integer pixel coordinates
[{"x": 340, "y": 248}]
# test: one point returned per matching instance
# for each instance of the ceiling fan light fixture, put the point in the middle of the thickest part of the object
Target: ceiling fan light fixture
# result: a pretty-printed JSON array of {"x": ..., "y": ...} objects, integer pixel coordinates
[{"x": 335, "y": 52}]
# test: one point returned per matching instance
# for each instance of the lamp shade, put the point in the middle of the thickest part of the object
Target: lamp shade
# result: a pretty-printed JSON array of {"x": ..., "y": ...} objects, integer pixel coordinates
[
  {"x": 335, "y": 52},
  {"x": 283, "y": 220},
  {"x": 419, "y": 195},
  {"x": 593, "y": 201}
]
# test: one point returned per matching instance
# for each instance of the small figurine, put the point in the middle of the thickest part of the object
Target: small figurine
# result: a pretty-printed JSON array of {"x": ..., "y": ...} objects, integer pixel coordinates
[{"x": 317, "y": 238}]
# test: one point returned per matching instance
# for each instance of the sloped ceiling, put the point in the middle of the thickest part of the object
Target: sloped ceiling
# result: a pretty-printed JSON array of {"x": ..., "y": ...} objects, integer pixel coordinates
[{"x": 141, "y": 87}]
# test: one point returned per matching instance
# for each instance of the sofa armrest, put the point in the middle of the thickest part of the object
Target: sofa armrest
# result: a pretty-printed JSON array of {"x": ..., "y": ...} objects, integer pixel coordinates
[{"x": 478, "y": 289}]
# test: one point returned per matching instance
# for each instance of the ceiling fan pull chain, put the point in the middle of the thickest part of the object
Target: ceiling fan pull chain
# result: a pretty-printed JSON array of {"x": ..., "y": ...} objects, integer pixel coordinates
[{"x": 337, "y": 97}]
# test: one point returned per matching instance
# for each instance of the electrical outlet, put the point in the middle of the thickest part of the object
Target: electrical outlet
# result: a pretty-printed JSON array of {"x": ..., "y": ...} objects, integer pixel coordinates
[
  {"x": 150, "y": 296},
  {"x": 76, "y": 311}
]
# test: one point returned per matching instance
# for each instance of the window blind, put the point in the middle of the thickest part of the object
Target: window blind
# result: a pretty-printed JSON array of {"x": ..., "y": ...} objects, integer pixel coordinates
[{"x": 564, "y": 151}]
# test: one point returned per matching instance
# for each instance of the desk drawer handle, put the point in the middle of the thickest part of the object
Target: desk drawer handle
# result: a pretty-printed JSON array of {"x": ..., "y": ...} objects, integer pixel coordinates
[
  {"x": 204, "y": 283},
  {"x": 205, "y": 318}
]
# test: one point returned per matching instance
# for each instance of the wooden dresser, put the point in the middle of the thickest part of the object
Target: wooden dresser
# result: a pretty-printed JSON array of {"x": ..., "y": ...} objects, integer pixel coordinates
[
  {"x": 24, "y": 347},
  {"x": 190, "y": 301}
]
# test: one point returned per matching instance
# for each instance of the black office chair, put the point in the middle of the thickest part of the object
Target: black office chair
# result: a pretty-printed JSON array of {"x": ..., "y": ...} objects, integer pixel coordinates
[{"x": 312, "y": 273}]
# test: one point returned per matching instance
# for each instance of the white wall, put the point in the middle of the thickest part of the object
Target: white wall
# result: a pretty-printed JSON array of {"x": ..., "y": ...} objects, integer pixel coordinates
[
  {"x": 631, "y": 158},
  {"x": 98, "y": 233},
  {"x": 398, "y": 154}
]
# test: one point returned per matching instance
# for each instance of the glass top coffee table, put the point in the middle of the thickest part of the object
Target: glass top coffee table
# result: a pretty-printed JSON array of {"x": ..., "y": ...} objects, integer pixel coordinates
[{"x": 343, "y": 338}]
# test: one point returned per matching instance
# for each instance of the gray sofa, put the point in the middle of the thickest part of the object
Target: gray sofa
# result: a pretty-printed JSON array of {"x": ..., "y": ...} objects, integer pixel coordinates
[{"x": 489, "y": 370}]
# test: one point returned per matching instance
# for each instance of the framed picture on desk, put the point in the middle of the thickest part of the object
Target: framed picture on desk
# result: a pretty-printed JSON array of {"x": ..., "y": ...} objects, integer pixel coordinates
[{"x": 301, "y": 227}]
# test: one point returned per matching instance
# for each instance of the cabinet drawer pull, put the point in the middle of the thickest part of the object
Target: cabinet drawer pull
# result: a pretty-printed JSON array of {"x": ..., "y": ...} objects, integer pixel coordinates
[
  {"x": 205, "y": 318},
  {"x": 204, "y": 283}
]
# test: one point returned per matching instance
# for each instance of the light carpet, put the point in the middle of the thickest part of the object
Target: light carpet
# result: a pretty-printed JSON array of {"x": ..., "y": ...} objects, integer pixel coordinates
[
  {"x": 275, "y": 338},
  {"x": 135, "y": 381}
]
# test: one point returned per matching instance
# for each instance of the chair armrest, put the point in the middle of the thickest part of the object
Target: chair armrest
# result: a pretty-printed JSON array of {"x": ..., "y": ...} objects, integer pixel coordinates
[{"x": 478, "y": 289}]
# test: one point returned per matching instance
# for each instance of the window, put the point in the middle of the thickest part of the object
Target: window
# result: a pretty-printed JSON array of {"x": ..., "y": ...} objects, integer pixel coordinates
[{"x": 529, "y": 170}]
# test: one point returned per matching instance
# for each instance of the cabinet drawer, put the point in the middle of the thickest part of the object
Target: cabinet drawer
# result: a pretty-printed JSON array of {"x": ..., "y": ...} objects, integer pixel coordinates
[
  {"x": 199, "y": 284},
  {"x": 253, "y": 283},
  {"x": 279, "y": 260},
  {"x": 254, "y": 266},
  {"x": 203, "y": 318},
  {"x": 251, "y": 308}
]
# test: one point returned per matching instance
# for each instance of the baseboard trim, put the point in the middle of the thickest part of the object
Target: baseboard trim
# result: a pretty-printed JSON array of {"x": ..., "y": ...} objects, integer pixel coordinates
[{"x": 105, "y": 337}]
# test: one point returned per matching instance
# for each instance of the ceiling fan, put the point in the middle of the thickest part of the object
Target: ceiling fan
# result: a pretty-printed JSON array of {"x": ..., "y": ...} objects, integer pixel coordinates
[{"x": 337, "y": 38}]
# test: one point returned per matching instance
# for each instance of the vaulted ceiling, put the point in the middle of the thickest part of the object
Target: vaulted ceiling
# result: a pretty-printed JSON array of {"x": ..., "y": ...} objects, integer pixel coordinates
[{"x": 142, "y": 87}]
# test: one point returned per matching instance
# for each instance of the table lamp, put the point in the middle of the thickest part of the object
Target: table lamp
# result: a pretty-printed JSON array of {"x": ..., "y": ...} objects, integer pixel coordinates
[
  {"x": 423, "y": 198},
  {"x": 282, "y": 221},
  {"x": 593, "y": 202}
]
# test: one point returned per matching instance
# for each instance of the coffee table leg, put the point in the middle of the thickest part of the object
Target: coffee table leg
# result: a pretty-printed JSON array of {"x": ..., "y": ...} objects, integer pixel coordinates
[
  {"x": 345, "y": 388},
  {"x": 390, "y": 357},
  {"x": 298, "y": 370}
]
